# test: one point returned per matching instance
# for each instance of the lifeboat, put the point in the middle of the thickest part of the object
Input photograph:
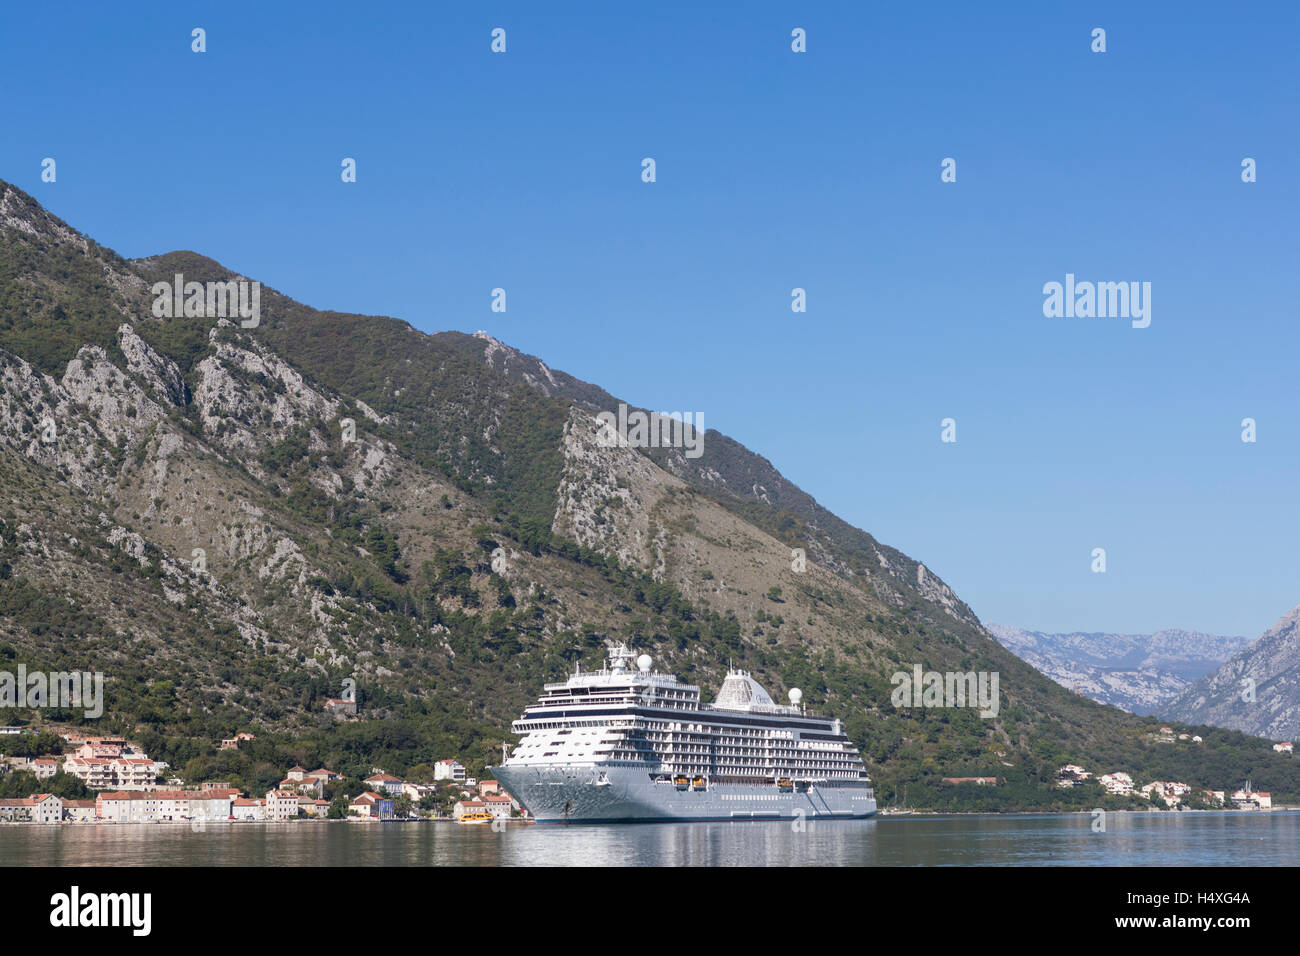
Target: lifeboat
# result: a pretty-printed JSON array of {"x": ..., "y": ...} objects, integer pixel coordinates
[
  {"x": 680, "y": 782},
  {"x": 785, "y": 784},
  {"x": 698, "y": 783}
]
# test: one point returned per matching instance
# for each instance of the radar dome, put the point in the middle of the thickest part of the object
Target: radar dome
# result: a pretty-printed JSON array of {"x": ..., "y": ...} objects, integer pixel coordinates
[
  {"x": 643, "y": 663},
  {"x": 796, "y": 695}
]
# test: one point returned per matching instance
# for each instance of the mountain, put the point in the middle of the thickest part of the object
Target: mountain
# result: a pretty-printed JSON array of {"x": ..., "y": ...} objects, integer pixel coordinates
[
  {"x": 1134, "y": 672},
  {"x": 230, "y": 522},
  {"x": 1257, "y": 691}
]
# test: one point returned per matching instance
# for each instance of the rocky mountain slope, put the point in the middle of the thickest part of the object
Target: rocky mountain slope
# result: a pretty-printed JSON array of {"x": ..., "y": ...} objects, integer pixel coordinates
[
  {"x": 1135, "y": 672},
  {"x": 1256, "y": 691},
  {"x": 231, "y": 522}
]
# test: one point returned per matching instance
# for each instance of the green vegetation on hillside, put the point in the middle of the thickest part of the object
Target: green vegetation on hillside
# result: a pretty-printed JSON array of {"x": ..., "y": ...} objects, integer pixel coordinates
[{"x": 403, "y": 597}]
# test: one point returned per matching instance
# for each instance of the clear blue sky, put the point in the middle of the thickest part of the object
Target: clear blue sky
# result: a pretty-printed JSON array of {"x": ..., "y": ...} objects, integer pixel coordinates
[{"x": 776, "y": 170}]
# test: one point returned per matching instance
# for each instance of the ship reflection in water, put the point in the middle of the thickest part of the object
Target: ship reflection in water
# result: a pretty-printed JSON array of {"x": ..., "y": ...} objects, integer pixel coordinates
[{"x": 1131, "y": 839}]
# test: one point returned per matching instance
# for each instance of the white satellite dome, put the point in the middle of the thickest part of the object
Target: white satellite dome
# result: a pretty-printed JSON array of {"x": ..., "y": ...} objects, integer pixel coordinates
[
  {"x": 643, "y": 663},
  {"x": 796, "y": 695}
]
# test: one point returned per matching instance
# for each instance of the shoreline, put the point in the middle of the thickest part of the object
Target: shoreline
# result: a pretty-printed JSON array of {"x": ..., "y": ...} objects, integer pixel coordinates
[
  {"x": 224, "y": 823},
  {"x": 204, "y": 824}
]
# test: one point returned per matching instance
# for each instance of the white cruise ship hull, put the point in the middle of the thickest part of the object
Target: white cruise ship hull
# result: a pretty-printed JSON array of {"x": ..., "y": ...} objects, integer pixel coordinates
[{"x": 594, "y": 793}]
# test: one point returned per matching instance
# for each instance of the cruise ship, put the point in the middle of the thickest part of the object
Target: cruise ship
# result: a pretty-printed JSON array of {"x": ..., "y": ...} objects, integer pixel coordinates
[{"x": 628, "y": 744}]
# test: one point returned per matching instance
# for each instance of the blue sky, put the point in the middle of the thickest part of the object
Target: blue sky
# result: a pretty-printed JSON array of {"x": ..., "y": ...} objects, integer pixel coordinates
[{"x": 776, "y": 170}]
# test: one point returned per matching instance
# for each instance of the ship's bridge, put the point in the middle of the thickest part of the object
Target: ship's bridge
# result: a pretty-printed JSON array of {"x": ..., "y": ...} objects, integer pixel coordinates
[{"x": 625, "y": 679}]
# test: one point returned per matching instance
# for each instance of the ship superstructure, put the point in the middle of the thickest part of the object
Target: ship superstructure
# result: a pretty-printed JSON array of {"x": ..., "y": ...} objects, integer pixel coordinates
[{"x": 629, "y": 743}]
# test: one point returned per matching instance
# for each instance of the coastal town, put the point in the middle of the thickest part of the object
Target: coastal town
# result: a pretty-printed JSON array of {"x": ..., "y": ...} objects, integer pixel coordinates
[
  {"x": 131, "y": 787},
  {"x": 1173, "y": 794}
]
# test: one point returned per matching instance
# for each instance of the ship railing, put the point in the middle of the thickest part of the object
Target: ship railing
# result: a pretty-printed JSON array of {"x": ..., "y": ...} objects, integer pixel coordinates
[{"x": 758, "y": 708}]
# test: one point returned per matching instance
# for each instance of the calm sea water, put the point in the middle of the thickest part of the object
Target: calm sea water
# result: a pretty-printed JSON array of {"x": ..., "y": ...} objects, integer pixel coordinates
[{"x": 1130, "y": 839}]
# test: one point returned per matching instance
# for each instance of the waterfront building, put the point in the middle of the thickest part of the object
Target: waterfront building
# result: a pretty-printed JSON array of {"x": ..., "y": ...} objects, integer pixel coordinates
[
  {"x": 372, "y": 805},
  {"x": 281, "y": 805}
]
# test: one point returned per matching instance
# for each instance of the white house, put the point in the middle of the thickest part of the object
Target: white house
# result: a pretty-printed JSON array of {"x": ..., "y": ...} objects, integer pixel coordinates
[
  {"x": 1118, "y": 782},
  {"x": 498, "y": 804},
  {"x": 416, "y": 792},
  {"x": 1171, "y": 792},
  {"x": 281, "y": 805},
  {"x": 246, "y": 809},
  {"x": 386, "y": 782},
  {"x": 372, "y": 805},
  {"x": 1071, "y": 774},
  {"x": 119, "y": 772},
  {"x": 79, "y": 811},
  {"x": 160, "y": 806},
  {"x": 15, "y": 809},
  {"x": 1247, "y": 799},
  {"x": 47, "y": 808},
  {"x": 449, "y": 770}
]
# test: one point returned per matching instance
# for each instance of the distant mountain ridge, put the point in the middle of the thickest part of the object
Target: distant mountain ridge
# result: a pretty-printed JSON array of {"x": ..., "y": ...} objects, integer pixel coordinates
[
  {"x": 1135, "y": 672},
  {"x": 1257, "y": 691}
]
